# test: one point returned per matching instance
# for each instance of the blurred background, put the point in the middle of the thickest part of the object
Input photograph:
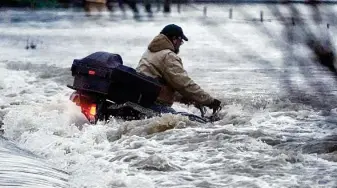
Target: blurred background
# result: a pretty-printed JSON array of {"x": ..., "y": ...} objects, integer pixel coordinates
[{"x": 149, "y": 5}]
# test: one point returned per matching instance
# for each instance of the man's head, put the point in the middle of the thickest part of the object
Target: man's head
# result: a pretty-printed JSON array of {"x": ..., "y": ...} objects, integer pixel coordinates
[{"x": 175, "y": 34}]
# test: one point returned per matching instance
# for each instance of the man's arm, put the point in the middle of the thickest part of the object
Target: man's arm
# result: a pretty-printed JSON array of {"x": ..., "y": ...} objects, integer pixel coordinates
[
  {"x": 179, "y": 98},
  {"x": 175, "y": 75}
]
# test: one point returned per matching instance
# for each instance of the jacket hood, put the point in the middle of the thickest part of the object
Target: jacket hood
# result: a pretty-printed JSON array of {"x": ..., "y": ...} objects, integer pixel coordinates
[{"x": 159, "y": 43}]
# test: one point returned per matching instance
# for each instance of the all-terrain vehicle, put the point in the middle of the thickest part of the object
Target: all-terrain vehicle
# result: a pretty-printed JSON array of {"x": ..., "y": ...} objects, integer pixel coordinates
[{"x": 105, "y": 88}]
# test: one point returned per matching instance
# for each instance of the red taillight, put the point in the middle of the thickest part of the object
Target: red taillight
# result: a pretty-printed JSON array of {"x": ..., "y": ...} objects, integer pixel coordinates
[
  {"x": 87, "y": 104},
  {"x": 91, "y": 72},
  {"x": 92, "y": 109},
  {"x": 89, "y": 110}
]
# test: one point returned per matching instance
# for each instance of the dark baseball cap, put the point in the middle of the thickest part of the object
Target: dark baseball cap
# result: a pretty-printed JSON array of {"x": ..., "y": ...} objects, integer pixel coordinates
[{"x": 173, "y": 30}]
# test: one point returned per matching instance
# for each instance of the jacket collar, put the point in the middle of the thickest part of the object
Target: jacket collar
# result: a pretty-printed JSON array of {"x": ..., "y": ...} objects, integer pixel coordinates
[{"x": 159, "y": 43}]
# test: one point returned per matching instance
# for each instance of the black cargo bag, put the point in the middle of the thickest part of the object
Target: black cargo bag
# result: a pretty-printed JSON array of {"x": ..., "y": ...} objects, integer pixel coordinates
[
  {"x": 104, "y": 74},
  {"x": 92, "y": 73},
  {"x": 128, "y": 85}
]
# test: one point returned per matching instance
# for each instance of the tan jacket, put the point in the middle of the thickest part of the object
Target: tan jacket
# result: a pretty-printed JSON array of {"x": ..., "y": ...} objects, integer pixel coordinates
[{"x": 160, "y": 61}]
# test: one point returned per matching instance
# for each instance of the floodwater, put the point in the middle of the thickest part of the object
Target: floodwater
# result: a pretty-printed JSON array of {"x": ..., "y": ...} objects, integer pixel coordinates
[{"x": 277, "y": 128}]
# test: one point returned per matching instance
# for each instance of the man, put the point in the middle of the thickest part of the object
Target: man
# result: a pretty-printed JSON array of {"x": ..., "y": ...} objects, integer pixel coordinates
[
  {"x": 161, "y": 61},
  {"x": 94, "y": 5}
]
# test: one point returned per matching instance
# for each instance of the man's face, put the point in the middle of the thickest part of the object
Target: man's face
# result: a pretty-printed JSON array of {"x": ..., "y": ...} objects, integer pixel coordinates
[{"x": 177, "y": 42}]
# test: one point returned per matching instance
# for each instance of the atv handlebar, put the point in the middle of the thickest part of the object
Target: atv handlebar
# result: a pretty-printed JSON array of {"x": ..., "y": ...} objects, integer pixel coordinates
[{"x": 213, "y": 117}]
